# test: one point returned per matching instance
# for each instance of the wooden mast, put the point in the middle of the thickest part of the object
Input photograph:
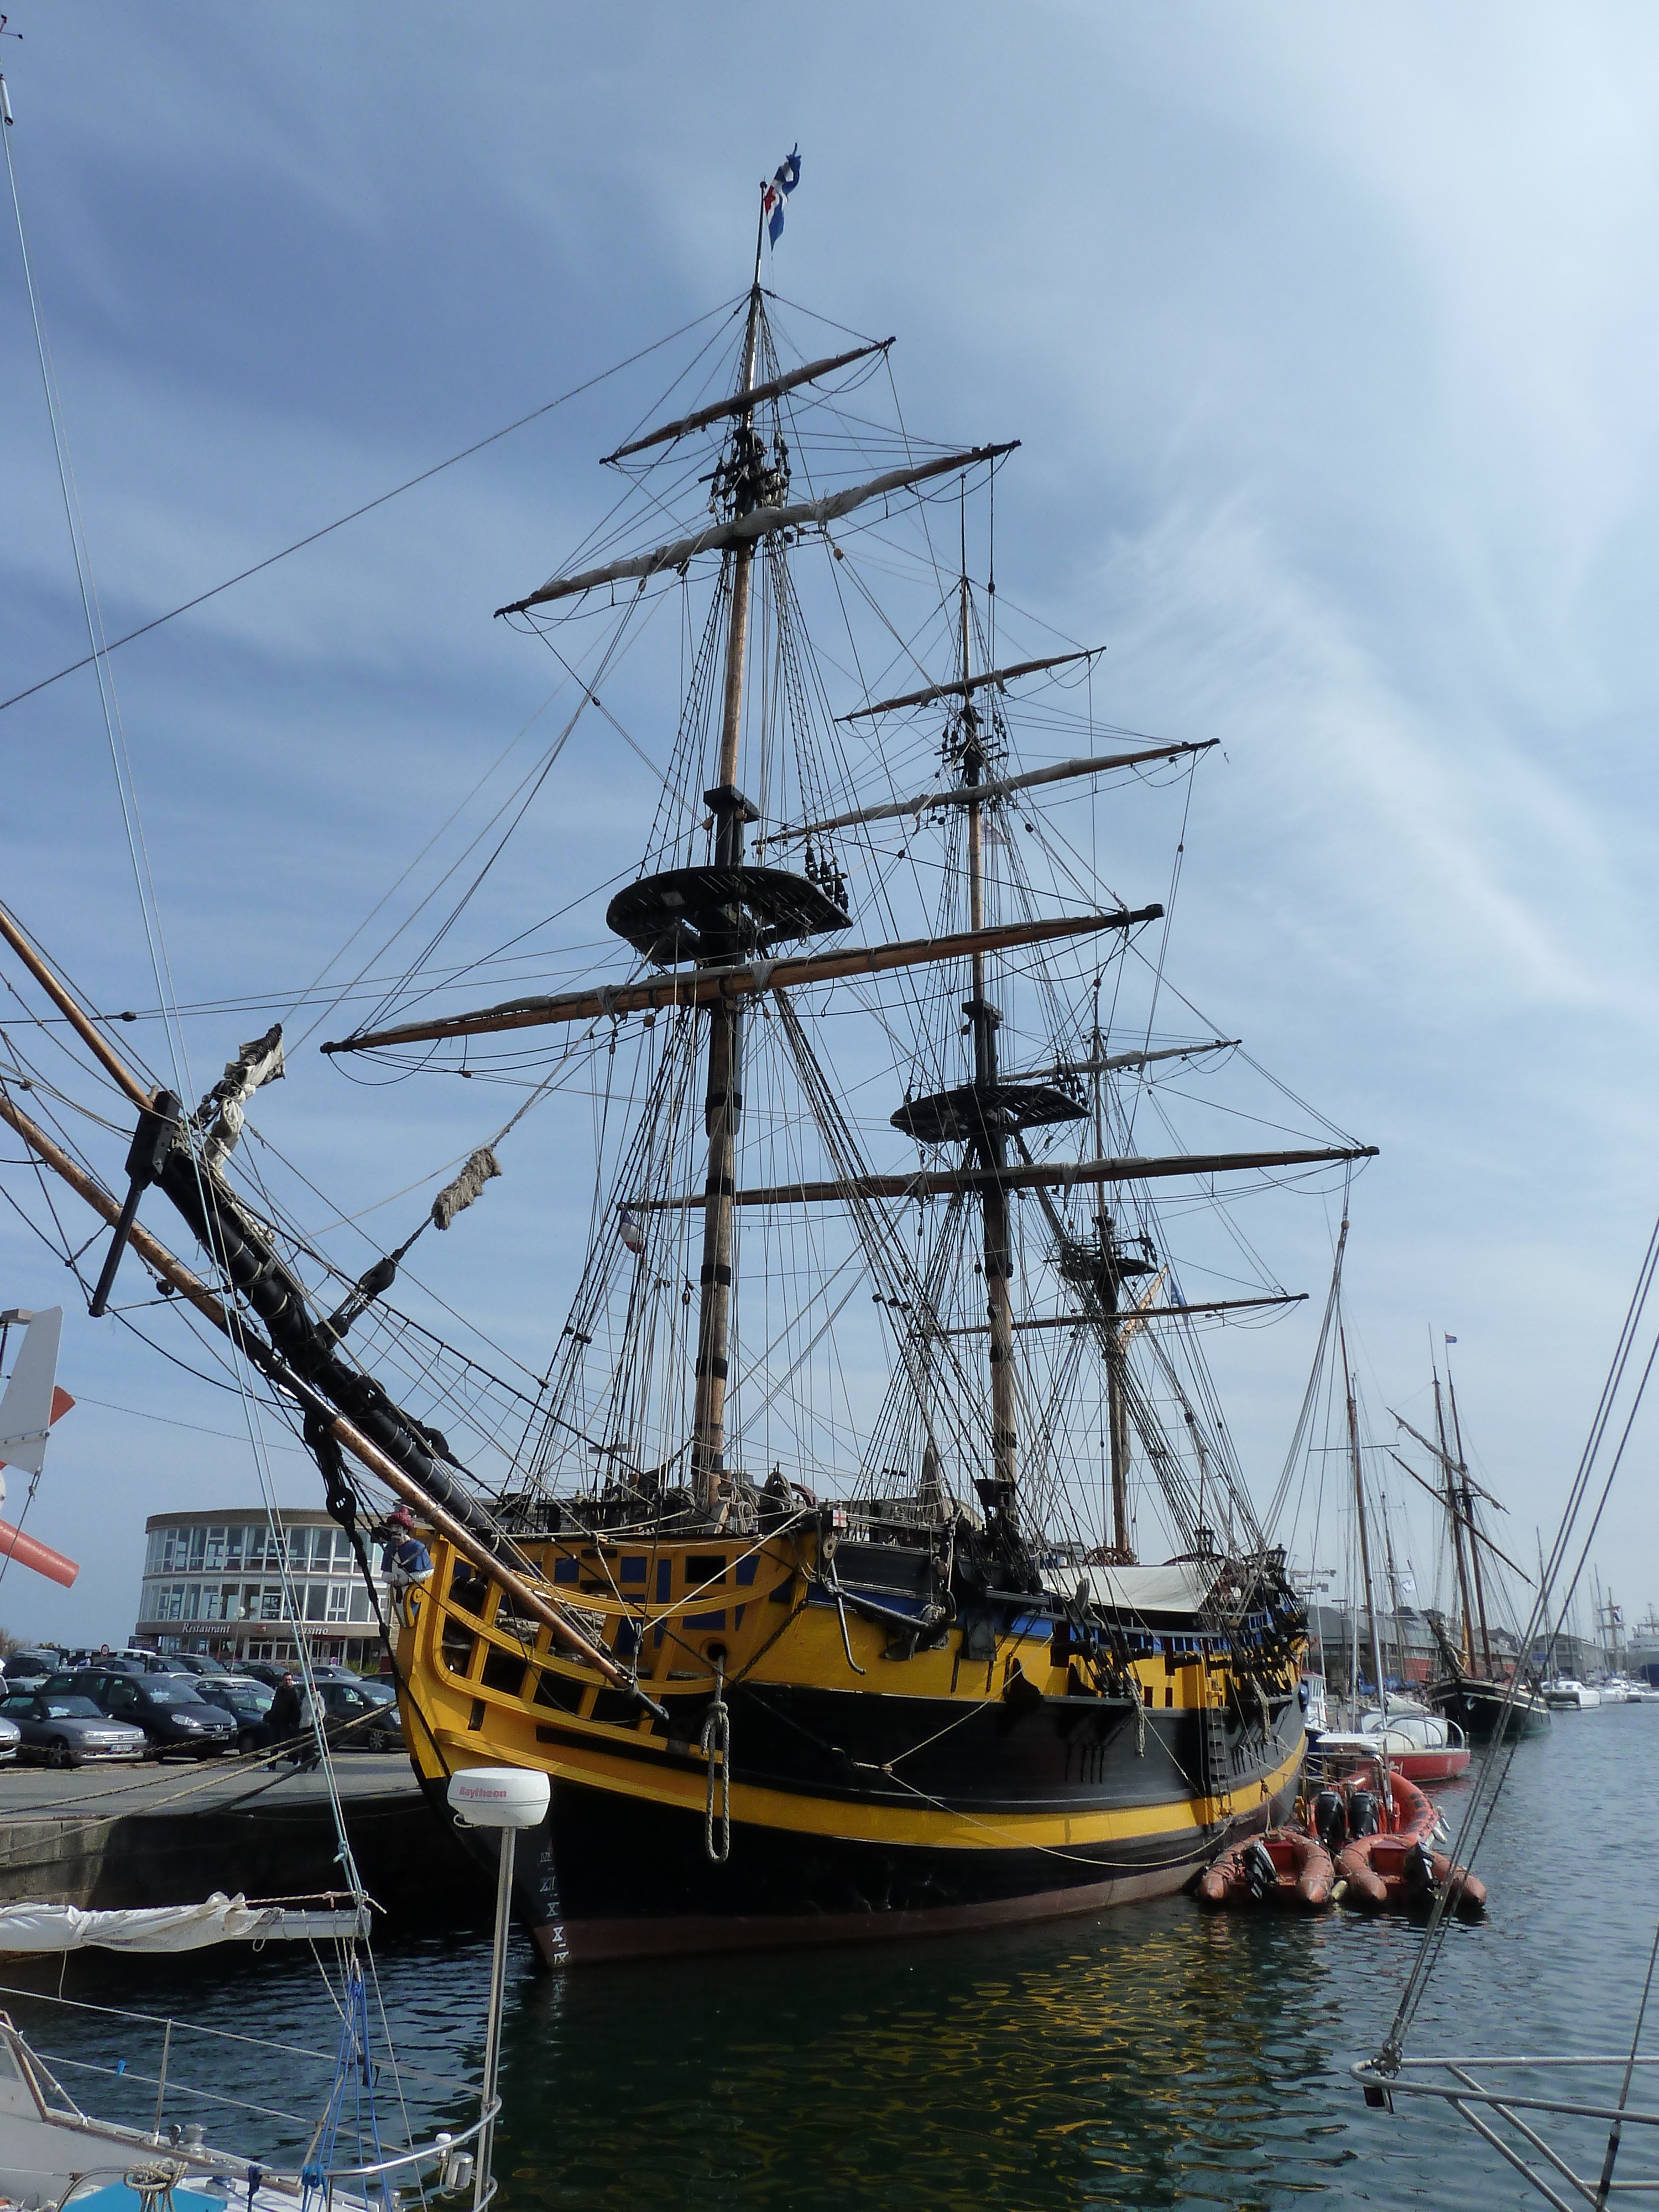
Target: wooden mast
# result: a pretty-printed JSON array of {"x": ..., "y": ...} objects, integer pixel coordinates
[
  {"x": 1107, "y": 1287},
  {"x": 1474, "y": 1548},
  {"x": 723, "y": 1099},
  {"x": 1364, "y": 1558},
  {"x": 992, "y": 1143},
  {"x": 1454, "y": 1511}
]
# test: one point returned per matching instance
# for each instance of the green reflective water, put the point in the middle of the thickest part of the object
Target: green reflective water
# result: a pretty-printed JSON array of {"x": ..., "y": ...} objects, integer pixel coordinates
[{"x": 1147, "y": 2057}]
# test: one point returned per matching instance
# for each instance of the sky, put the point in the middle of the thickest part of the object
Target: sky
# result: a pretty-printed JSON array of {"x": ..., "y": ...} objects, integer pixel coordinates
[{"x": 1330, "y": 334}]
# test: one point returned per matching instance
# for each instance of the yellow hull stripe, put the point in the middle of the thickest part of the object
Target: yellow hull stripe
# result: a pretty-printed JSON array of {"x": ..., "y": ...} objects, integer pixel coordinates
[{"x": 924, "y": 1822}]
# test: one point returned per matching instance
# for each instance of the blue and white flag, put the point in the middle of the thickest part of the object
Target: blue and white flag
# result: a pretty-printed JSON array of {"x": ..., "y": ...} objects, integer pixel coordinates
[
  {"x": 784, "y": 183},
  {"x": 1451, "y": 1340}
]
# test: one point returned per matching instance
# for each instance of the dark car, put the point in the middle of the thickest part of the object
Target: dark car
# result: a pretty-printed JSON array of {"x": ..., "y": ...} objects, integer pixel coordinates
[
  {"x": 246, "y": 1701},
  {"x": 261, "y": 1670},
  {"x": 356, "y": 1720},
  {"x": 67, "y": 1729},
  {"x": 191, "y": 1662},
  {"x": 30, "y": 1670},
  {"x": 167, "y": 1707}
]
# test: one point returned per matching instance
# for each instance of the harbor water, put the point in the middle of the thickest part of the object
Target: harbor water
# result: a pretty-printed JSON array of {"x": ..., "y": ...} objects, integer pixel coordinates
[{"x": 1144, "y": 2057}]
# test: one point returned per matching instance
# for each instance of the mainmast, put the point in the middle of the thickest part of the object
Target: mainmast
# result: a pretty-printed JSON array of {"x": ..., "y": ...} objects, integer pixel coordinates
[
  {"x": 991, "y": 1136},
  {"x": 1455, "y": 1515},
  {"x": 723, "y": 1100},
  {"x": 1474, "y": 1534},
  {"x": 1364, "y": 1558}
]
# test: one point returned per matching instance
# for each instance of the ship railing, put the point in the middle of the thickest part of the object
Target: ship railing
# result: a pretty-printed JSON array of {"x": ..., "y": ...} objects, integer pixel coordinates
[
  {"x": 1498, "y": 2087},
  {"x": 443, "y": 2156}
]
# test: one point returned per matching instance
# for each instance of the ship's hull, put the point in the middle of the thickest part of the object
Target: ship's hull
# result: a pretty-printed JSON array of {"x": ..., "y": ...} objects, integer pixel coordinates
[
  {"x": 1481, "y": 1708},
  {"x": 961, "y": 1780}
]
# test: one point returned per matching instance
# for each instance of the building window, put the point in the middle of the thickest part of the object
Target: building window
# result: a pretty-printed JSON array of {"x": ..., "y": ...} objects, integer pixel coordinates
[
  {"x": 316, "y": 1599},
  {"x": 339, "y": 1595},
  {"x": 193, "y": 1601},
  {"x": 198, "y": 1549},
  {"x": 234, "y": 1550},
  {"x": 270, "y": 1603},
  {"x": 216, "y": 1551},
  {"x": 359, "y": 1605},
  {"x": 254, "y": 1556}
]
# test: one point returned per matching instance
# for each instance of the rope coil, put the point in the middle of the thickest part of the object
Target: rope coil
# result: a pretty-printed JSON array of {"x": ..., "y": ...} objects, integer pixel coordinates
[{"x": 716, "y": 1741}]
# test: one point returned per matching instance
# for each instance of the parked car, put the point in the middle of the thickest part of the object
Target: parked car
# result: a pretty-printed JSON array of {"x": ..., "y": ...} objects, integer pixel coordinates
[
  {"x": 67, "y": 1729},
  {"x": 11, "y": 1736},
  {"x": 166, "y": 1707},
  {"x": 191, "y": 1663},
  {"x": 261, "y": 1670},
  {"x": 358, "y": 1722},
  {"x": 246, "y": 1701},
  {"x": 30, "y": 1670}
]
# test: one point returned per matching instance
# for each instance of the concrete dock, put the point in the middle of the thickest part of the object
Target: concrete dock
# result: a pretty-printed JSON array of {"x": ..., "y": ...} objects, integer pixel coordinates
[{"x": 107, "y": 1836}]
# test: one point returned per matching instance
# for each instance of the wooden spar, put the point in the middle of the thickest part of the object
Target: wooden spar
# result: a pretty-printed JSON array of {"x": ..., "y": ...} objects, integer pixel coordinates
[
  {"x": 156, "y": 1256},
  {"x": 963, "y": 686},
  {"x": 1477, "y": 1535},
  {"x": 998, "y": 788},
  {"x": 1448, "y": 1463},
  {"x": 759, "y": 522},
  {"x": 1112, "y": 1062},
  {"x": 744, "y": 402},
  {"x": 703, "y": 987},
  {"x": 1138, "y": 1314},
  {"x": 1048, "y": 1175},
  {"x": 723, "y": 1098},
  {"x": 79, "y": 1020}
]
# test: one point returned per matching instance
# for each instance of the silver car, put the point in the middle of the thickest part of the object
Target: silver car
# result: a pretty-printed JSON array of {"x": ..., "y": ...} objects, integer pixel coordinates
[
  {"x": 66, "y": 1729},
  {"x": 11, "y": 1736}
]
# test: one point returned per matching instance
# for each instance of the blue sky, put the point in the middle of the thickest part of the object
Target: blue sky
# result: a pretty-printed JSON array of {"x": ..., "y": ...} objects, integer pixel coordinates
[{"x": 1330, "y": 333}]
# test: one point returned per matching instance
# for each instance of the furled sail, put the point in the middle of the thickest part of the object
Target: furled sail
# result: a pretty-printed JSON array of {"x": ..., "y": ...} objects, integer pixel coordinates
[
  {"x": 218, "y": 1920},
  {"x": 759, "y": 522},
  {"x": 709, "y": 984},
  {"x": 743, "y": 402},
  {"x": 975, "y": 794}
]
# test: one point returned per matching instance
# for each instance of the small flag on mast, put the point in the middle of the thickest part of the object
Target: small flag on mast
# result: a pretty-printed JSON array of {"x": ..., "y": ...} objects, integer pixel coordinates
[
  {"x": 1451, "y": 1340},
  {"x": 784, "y": 183}
]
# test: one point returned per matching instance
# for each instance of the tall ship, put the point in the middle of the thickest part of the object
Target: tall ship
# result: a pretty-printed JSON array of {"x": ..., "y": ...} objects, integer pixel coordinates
[{"x": 870, "y": 1555}]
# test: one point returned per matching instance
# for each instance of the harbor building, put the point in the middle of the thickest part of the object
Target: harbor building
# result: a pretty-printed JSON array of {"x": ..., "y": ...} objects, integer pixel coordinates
[{"x": 214, "y": 1583}]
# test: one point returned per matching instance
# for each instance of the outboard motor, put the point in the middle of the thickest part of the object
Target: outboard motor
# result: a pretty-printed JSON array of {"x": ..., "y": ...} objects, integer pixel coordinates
[
  {"x": 1330, "y": 1817},
  {"x": 1362, "y": 1818},
  {"x": 1419, "y": 1866},
  {"x": 1259, "y": 1871}
]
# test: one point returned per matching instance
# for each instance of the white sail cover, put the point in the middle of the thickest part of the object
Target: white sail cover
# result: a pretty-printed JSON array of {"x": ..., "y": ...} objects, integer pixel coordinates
[
  {"x": 1181, "y": 1587},
  {"x": 219, "y": 1919}
]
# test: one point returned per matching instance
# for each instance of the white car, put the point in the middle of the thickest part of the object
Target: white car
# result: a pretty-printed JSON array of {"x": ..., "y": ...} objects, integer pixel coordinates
[{"x": 11, "y": 1736}]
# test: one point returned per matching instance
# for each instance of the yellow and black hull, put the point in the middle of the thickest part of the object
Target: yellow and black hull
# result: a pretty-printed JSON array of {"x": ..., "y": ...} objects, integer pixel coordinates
[{"x": 876, "y": 1780}]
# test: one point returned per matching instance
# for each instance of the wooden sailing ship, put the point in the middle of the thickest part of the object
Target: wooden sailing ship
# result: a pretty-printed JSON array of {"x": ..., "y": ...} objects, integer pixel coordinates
[
  {"x": 913, "y": 1677},
  {"x": 1484, "y": 1699}
]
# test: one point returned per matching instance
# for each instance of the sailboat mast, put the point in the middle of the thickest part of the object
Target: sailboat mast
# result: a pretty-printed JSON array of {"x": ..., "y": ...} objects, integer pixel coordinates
[
  {"x": 1474, "y": 1540},
  {"x": 992, "y": 1142},
  {"x": 1454, "y": 1521},
  {"x": 723, "y": 1100},
  {"x": 1364, "y": 1547},
  {"x": 1107, "y": 1287}
]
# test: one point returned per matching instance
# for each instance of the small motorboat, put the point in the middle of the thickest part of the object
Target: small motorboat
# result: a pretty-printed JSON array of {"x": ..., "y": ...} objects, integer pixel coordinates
[
  {"x": 1422, "y": 1745},
  {"x": 1415, "y": 1762},
  {"x": 1566, "y": 1694},
  {"x": 1380, "y": 1829},
  {"x": 1286, "y": 1867}
]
